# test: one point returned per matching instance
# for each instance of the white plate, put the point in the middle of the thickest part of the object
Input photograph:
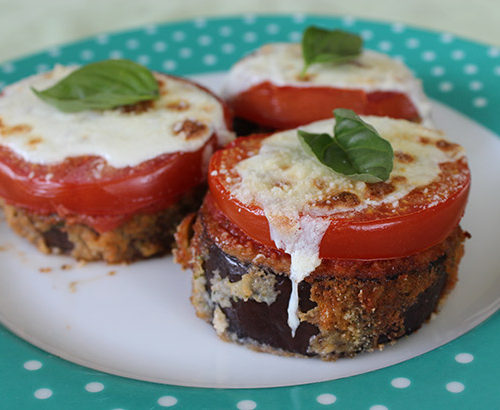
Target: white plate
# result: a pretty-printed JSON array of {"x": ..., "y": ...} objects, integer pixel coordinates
[{"x": 138, "y": 322}]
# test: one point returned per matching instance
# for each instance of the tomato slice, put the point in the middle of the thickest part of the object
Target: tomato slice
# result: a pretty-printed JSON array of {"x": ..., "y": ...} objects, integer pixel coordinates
[
  {"x": 88, "y": 190},
  {"x": 102, "y": 202},
  {"x": 375, "y": 234},
  {"x": 283, "y": 107}
]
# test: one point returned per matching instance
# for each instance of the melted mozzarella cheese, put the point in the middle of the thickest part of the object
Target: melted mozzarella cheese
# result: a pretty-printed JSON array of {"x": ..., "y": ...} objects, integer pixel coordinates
[
  {"x": 296, "y": 191},
  {"x": 281, "y": 64},
  {"x": 40, "y": 133}
]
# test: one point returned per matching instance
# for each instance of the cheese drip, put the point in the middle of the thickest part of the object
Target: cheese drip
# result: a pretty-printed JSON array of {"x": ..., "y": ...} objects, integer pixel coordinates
[
  {"x": 300, "y": 237},
  {"x": 292, "y": 187}
]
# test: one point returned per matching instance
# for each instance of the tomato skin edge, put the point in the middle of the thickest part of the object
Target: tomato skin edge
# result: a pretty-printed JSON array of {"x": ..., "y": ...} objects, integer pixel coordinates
[
  {"x": 284, "y": 107},
  {"x": 396, "y": 237},
  {"x": 105, "y": 206}
]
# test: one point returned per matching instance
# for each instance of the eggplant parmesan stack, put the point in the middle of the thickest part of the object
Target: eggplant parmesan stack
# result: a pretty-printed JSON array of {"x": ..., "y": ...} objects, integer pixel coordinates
[
  {"x": 267, "y": 88},
  {"x": 106, "y": 184},
  {"x": 292, "y": 258}
]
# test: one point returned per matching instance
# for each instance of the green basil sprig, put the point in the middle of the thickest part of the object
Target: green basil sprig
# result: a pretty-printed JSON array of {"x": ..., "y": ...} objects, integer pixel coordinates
[
  {"x": 355, "y": 150},
  {"x": 102, "y": 85},
  {"x": 329, "y": 46}
]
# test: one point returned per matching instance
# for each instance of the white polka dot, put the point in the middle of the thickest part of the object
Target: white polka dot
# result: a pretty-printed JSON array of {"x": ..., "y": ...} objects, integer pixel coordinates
[
  {"x": 249, "y": 37},
  {"x": 43, "y": 393},
  {"x": 228, "y": 48},
  {"x": 464, "y": 358},
  {"x": 385, "y": 45},
  {"x": 132, "y": 44},
  {"x": 204, "y": 40},
  {"x": 87, "y": 55},
  {"x": 115, "y": 54},
  {"x": 41, "y": 68},
  {"x": 246, "y": 405},
  {"x": 209, "y": 59},
  {"x": 494, "y": 52},
  {"x": 447, "y": 37},
  {"x": 475, "y": 86},
  {"x": 225, "y": 31},
  {"x": 143, "y": 59},
  {"x": 326, "y": 398},
  {"x": 445, "y": 86},
  {"x": 94, "y": 387},
  {"x": 159, "y": 46},
  {"x": 167, "y": 401},
  {"x": 399, "y": 57},
  {"x": 412, "y": 42},
  {"x": 378, "y": 407},
  {"x": 2, "y": 85},
  {"x": 367, "y": 34},
  {"x": 200, "y": 22},
  {"x": 455, "y": 387},
  {"x": 496, "y": 70},
  {"x": 480, "y": 102},
  {"x": 54, "y": 52},
  {"x": 400, "y": 382},
  {"x": 8, "y": 68},
  {"x": 398, "y": 27},
  {"x": 470, "y": 69},
  {"x": 295, "y": 36},
  {"x": 102, "y": 39},
  {"x": 298, "y": 18},
  {"x": 249, "y": 19},
  {"x": 272, "y": 28},
  {"x": 457, "y": 54},
  {"x": 185, "y": 52},
  {"x": 150, "y": 29},
  {"x": 179, "y": 36},
  {"x": 169, "y": 65},
  {"x": 438, "y": 71},
  {"x": 348, "y": 21},
  {"x": 32, "y": 365},
  {"x": 428, "y": 55}
]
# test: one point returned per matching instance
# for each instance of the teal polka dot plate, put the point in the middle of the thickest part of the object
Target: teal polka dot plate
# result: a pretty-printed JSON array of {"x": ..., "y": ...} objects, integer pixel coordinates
[{"x": 91, "y": 317}]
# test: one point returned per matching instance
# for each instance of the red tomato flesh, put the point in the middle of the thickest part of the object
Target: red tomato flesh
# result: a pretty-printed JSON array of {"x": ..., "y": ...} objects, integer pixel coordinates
[
  {"x": 288, "y": 107},
  {"x": 103, "y": 201},
  {"x": 374, "y": 233}
]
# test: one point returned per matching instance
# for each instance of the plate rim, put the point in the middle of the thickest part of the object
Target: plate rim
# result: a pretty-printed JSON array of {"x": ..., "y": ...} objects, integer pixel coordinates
[{"x": 273, "y": 16}]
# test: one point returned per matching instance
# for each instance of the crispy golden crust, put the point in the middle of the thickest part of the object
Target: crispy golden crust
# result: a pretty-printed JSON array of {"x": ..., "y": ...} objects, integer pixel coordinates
[
  {"x": 142, "y": 236},
  {"x": 182, "y": 237},
  {"x": 346, "y": 307}
]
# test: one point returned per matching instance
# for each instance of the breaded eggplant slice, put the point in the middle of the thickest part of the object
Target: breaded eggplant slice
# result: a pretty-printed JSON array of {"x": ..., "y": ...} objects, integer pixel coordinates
[{"x": 345, "y": 306}]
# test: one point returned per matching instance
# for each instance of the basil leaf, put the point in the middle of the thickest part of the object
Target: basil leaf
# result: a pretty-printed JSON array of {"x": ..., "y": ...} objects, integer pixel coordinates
[
  {"x": 355, "y": 150},
  {"x": 102, "y": 85},
  {"x": 314, "y": 144},
  {"x": 329, "y": 46}
]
